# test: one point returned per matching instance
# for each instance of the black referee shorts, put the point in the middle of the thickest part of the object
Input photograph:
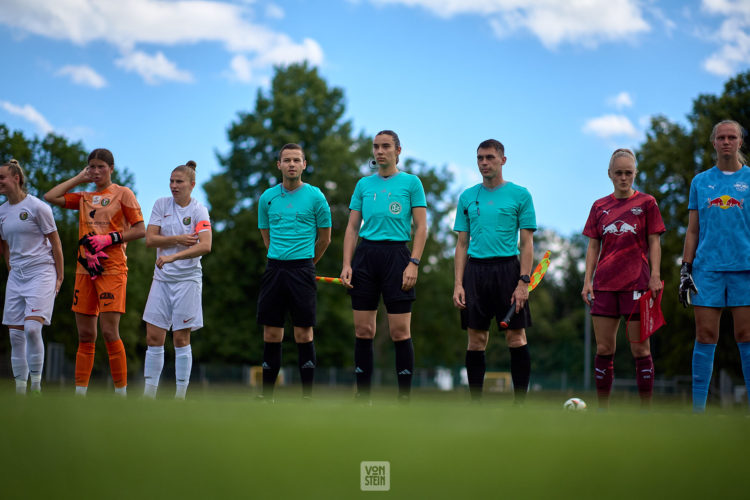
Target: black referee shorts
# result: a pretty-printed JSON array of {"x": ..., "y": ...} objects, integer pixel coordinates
[
  {"x": 378, "y": 268},
  {"x": 489, "y": 285},
  {"x": 288, "y": 286}
]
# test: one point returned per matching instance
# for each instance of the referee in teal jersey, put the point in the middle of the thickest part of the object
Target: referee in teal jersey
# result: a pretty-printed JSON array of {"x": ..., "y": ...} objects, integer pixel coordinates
[
  {"x": 488, "y": 273},
  {"x": 383, "y": 208},
  {"x": 295, "y": 222}
]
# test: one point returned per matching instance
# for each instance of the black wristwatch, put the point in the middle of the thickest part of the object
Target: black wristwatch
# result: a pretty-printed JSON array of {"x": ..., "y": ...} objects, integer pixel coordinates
[
  {"x": 525, "y": 278},
  {"x": 414, "y": 261}
]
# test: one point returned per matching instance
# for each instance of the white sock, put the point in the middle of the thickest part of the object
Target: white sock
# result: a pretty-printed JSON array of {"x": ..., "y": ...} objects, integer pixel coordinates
[
  {"x": 121, "y": 391},
  {"x": 18, "y": 358},
  {"x": 152, "y": 369},
  {"x": 34, "y": 352},
  {"x": 183, "y": 364},
  {"x": 81, "y": 390}
]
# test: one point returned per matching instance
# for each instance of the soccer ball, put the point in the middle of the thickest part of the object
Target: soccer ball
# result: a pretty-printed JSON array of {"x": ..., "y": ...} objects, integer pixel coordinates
[{"x": 575, "y": 404}]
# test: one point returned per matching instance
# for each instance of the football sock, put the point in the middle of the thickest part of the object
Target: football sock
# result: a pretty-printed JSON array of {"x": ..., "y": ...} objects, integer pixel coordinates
[
  {"x": 703, "y": 367},
  {"x": 271, "y": 366},
  {"x": 34, "y": 352},
  {"x": 476, "y": 365},
  {"x": 604, "y": 375},
  {"x": 644, "y": 376},
  {"x": 18, "y": 361},
  {"x": 404, "y": 366},
  {"x": 520, "y": 371},
  {"x": 152, "y": 367},
  {"x": 84, "y": 364},
  {"x": 306, "y": 361},
  {"x": 118, "y": 364},
  {"x": 745, "y": 359},
  {"x": 364, "y": 359},
  {"x": 183, "y": 365}
]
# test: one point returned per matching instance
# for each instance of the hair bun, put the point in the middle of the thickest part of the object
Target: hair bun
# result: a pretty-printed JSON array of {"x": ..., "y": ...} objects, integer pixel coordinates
[
  {"x": 14, "y": 162},
  {"x": 191, "y": 164}
]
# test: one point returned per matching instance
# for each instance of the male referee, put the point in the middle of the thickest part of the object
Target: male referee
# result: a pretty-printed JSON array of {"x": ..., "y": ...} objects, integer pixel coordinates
[
  {"x": 295, "y": 222},
  {"x": 488, "y": 273}
]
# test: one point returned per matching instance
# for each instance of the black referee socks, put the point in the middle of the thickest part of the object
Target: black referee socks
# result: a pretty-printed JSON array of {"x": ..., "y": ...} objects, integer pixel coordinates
[
  {"x": 520, "y": 371},
  {"x": 363, "y": 363}
]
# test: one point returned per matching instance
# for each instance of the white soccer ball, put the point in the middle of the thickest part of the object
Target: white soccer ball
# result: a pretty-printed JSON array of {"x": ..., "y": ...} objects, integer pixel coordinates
[{"x": 575, "y": 404}]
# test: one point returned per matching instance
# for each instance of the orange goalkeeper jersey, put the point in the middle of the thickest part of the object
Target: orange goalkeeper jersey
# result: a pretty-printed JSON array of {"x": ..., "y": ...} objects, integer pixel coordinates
[{"x": 101, "y": 212}]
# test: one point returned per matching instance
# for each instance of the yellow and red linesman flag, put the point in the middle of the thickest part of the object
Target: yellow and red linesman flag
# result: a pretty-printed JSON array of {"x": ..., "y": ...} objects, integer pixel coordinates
[
  {"x": 329, "y": 280},
  {"x": 539, "y": 271}
]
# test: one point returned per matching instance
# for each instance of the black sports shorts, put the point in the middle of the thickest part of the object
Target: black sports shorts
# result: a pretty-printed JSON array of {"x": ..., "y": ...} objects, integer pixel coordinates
[
  {"x": 378, "y": 268},
  {"x": 288, "y": 285},
  {"x": 489, "y": 285}
]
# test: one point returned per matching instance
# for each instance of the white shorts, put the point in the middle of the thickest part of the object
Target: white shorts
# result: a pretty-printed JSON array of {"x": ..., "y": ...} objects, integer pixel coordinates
[
  {"x": 175, "y": 304},
  {"x": 30, "y": 292}
]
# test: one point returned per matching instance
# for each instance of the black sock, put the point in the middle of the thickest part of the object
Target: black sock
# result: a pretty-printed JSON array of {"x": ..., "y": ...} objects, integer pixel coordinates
[
  {"x": 476, "y": 365},
  {"x": 306, "y": 362},
  {"x": 520, "y": 371},
  {"x": 271, "y": 366},
  {"x": 404, "y": 365},
  {"x": 363, "y": 362}
]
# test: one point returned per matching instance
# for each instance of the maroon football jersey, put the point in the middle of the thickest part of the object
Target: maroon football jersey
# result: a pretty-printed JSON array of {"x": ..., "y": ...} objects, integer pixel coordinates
[{"x": 623, "y": 226}]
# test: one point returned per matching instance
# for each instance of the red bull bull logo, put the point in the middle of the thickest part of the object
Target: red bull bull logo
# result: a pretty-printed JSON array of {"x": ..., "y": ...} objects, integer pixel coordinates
[
  {"x": 618, "y": 227},
  {"x": 725, "y": 202}
]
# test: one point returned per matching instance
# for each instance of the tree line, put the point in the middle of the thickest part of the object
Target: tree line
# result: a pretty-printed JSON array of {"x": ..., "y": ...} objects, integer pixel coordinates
[{"x": 300, "y": 107}]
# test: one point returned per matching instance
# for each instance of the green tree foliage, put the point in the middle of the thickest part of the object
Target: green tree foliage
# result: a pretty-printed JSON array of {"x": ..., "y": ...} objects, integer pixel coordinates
[
  {"x": 667, "y": 162},
  {"x": 48, "y": 161}
]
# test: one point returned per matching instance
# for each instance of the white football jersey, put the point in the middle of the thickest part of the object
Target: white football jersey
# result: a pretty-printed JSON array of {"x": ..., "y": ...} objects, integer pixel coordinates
[
  {"x": 24, "y": 226},
  {"x": 175, "y": 220}
]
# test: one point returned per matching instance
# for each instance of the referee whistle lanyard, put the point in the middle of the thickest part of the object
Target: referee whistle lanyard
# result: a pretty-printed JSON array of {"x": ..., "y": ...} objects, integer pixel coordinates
[{"x": 536, "y": 277}]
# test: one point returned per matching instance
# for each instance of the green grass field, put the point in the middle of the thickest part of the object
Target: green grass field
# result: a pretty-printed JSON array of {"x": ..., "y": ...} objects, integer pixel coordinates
[{"x": 223, "y": 444}]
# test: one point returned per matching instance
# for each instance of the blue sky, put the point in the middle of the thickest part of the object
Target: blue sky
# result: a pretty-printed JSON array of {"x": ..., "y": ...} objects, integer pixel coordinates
[{"x": 561, "y": 83}]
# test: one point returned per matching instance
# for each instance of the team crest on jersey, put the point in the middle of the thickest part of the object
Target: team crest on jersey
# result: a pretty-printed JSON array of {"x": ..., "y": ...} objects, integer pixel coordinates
[
  {"x": 186, "y": 221},
  {"x": 741, "y": 186},
  {"x": 618, "y": 227},
  {"x": 636, "y": 210},
  {"x": 395, "y": 208},
  {"x": 23, "y": 215},
  {"x": 105, "y": 202}
]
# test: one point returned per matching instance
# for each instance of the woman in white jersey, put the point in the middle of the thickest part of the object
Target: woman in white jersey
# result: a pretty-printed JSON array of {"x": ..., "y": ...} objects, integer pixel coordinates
[
  {"x": 180, "y": 230},
  {"x": 33, "y": 252}
]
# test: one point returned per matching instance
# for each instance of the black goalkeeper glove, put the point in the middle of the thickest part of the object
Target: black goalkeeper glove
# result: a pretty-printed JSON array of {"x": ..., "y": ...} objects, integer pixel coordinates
[{"x": 687, "y": 285}]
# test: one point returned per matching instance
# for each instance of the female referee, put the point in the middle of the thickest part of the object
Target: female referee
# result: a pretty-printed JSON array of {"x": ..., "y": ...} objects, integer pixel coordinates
[
  {"x": 34, "y": 255},
  {"x": 180, "y": 230},
  {"x": 715, "y": 271},
  {"x": 385, "y": 205},
  {"x": 108, "y": 218},
  {"x": 623, "y": 257}
]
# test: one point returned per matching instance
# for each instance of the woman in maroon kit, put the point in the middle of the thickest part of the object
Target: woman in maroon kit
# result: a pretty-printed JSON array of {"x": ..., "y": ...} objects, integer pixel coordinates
[{"x": 622, "y": 262}]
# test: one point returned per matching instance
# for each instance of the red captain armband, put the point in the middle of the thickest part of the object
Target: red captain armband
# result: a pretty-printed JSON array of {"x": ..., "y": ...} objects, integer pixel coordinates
[{"x": 203, "y": 225}]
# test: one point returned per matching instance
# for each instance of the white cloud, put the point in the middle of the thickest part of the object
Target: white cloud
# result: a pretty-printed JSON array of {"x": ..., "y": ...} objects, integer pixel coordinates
[
  {"x": 273, "y": 11},
  {"x": 29, "y": 114},
  {"x": 128, "y": 23},
  {"x": 733, "y": 35},
  {"x": 153, "y": 69},
  {"x": 621, "y": 100},
  {"x": 83, "y": 75},
  {"x": 241, "y": 69},
  {"x": 553, "y": 22},
  {"x": 609, "y": 126}
]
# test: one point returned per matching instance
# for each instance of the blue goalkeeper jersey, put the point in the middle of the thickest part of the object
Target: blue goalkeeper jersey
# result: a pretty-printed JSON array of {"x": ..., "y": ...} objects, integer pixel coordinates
[
  {"x": 293, "y": 219},
  {"x": 723, "y": 218}
]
